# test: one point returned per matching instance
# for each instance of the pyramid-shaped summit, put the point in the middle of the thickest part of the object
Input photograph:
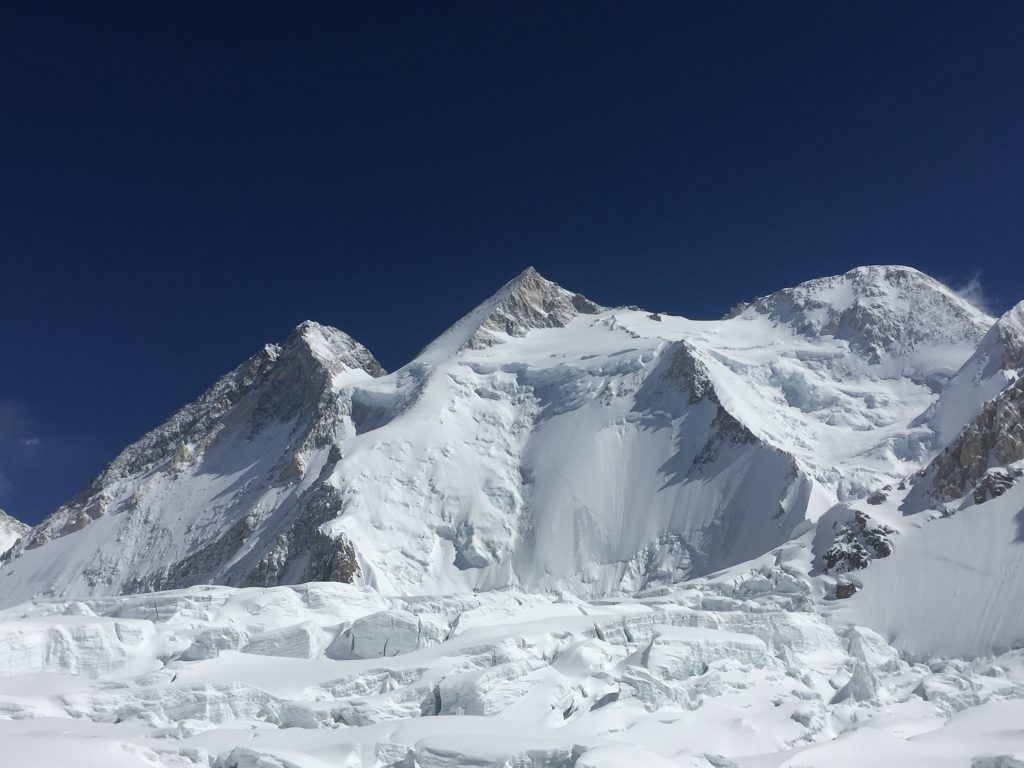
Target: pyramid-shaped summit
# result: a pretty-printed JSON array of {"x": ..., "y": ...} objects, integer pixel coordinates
[{"x": 526, "y": 302}]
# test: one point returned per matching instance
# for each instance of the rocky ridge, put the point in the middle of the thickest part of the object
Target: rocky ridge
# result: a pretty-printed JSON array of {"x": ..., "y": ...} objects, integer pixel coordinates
[
  {"x": 994, "y": 439},
  {"x": 281, "y": 406}
]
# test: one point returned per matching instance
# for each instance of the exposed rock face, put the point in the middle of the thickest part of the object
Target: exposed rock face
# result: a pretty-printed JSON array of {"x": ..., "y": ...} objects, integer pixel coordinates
[
  {"x": 844, "y": 589},
  {"x": 684, "y": 370},
  {"x": 251, "y": 446},
  {"x": 994, "y": 439},
  {"x": 994, "y": 484},
  {"x": 877, "y": 497},
  {"x": 529, "y": 302},
  {"x": 183, "y": 434},
  {"x": 856, "y": 543}
]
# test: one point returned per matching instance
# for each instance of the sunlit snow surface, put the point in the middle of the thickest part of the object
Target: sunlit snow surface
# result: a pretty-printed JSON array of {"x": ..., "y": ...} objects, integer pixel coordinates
[
  {"x": 585, "y": 537},
  {"x": 735, "y": 670},
  {"x": 615, "y": 450}
]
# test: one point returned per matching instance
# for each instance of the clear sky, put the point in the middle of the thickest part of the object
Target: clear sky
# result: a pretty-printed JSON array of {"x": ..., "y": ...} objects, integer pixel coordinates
[{"x": 181, "y": 182}]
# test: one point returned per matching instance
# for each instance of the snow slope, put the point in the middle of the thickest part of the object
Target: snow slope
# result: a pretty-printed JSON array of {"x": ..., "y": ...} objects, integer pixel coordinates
[
  {"x": 954, "y": 583},
  {"x": 997, "y": 362},
  {"x": 954, "y": 586},
  {"x": 543, "y": 442}
]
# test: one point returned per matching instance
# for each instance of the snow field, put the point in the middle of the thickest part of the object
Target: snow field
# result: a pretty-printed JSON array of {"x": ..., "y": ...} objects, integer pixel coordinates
[{"x": 736, "y": 670}]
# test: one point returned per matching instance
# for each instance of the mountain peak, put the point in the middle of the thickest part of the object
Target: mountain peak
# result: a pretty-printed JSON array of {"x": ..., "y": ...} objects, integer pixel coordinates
[
  {"x": 881, "y": 310},
  {"x": 531, "y": 284},
  {"x": 529, "y": 273},
  {"x": 888, "y": 272},
  {"x": 526, "y": 302},
  {"x": 1009, "y": 330},
  {"x": 332, "y": 348}
]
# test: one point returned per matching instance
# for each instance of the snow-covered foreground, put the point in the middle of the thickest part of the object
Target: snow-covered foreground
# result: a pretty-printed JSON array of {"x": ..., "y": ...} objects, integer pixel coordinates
[{"x": 740, "y": 669}]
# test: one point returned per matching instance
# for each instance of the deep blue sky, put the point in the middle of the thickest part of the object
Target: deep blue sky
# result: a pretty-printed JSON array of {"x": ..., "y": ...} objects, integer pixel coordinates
[{"x": 182, "y": 182}]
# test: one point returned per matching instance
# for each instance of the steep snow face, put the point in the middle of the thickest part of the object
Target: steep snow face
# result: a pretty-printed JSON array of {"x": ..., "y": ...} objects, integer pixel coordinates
[
  {"x": 949, "y": 579},
  {"x": 10, "y": 531},
  {"x": 997, "y": 362},
  {"x": 940, "y": 569},
  {"x": 837, "y": 371},
  {"x": 588, "y": 458},
  {"x": 218, "y": 493},
  {"x": 626, "y": 448},
  {"x": 954, "y": 583},
  {"x": 543, "y": 442}
]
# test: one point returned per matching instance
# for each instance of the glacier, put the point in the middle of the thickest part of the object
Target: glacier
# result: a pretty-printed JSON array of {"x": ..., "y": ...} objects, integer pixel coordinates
[
  {"x": 738, "y": 669},
  {"x": 564, "y": 534}
]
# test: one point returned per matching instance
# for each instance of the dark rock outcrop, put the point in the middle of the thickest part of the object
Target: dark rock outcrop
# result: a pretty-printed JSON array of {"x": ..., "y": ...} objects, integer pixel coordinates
[{"x": 856, "y": 543}]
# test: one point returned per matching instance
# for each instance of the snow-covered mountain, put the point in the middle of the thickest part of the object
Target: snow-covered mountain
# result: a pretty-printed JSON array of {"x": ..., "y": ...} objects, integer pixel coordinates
[
  {"x": 217, "y": 492},
  {"x": 564, "y": 535},
  {"x": 543, "y": 442},
  {"x": 10, "y": 531}
]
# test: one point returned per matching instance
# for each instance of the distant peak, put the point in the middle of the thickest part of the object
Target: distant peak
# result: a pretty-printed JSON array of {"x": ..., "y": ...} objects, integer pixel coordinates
[
  {"x": 871, "y": 283},
  {"x": 866, "y": 278},
  {"x": 879, "y": 309},
  {"x": 1008, "y": 333},
  {"x": 529, "y": 280},
  {"x": 311, "y": 326},
  {"x": 888, "y": 271},
  {"x": 1014, "y": 316},
  {"x": 526, "y": 302},
  {"x": 331, "y": 347},
  {"x": 11, "y": 522}
]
